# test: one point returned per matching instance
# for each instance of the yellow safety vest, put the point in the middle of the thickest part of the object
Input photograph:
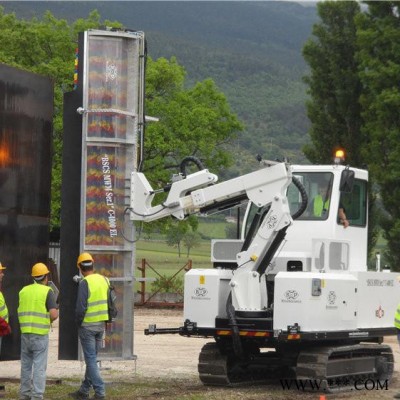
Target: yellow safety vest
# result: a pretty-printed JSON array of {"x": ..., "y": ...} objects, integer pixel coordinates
[
  {"x": 3, "y": 308},
  {"x": 32, "y": 312},
  {"x": 97, "y": 310},
  {"x": 397, "y": 318},
  {"x": 320, "y": 206}
]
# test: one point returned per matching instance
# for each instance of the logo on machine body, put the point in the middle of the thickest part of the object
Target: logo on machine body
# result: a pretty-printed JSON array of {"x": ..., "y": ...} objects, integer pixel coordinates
[
  {"x": 380, "y": 312},
  {"x": 331, "y": 301},
  {"x": 291, "y": 296},
  {"x": 200, "y": 293}
]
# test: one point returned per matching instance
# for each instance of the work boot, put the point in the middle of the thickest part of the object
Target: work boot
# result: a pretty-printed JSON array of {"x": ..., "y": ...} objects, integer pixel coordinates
[
  {"x": 98, "y": 397},
  {"x": 78, "y": 395}
]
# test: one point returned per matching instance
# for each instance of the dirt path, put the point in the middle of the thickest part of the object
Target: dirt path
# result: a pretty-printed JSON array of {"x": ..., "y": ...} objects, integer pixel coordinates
[
  {"x": 165, "y": 355},
  {"x": 157, "y": 356},
  {"x": 174, "y": 358}
]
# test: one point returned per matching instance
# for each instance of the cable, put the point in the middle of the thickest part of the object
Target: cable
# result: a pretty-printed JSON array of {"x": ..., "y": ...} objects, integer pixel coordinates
[
  {"x": 145, "y": 215},
  {"x": 189, "y": 159},
  {"x": 304, "y": 197},
  {"x": 236, "y": 341},
  {"x": 123, "y": 233},
  {"x": 141, "y": 222}
]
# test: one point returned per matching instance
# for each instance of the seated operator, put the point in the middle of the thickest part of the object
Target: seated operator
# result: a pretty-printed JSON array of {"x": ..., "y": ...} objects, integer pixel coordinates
[{"x": 320, "y": 205}]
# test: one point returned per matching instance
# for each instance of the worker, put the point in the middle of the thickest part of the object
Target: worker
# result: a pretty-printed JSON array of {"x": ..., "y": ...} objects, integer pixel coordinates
[
  {"x": 4, "y": 325},
  {"x": 37, "y": 309},
  {"x": 397, "y": 326},
  {"x": 91, "y": 313},
  {"x": 342, "y": 216},
  {"x": 320, "y": 204}
]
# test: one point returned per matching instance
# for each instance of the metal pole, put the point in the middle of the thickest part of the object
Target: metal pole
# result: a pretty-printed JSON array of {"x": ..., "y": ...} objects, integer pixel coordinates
[{"x": 378, "y": 262}]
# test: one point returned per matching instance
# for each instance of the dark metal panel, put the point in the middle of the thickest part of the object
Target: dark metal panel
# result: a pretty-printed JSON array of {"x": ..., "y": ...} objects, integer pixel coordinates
[
  {"x": 26, "y": 112},
  {"x": 70, "y": 225},
  {"x": 70, "y": 216}
]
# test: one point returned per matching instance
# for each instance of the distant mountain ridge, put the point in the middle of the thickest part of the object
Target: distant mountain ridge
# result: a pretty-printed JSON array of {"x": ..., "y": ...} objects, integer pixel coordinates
[{"x": 252, "y": 50}]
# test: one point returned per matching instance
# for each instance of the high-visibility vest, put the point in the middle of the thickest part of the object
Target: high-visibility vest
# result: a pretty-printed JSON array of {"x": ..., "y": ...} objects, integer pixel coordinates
[
  {"x": 397, "y": 318},
  {"x": 320, "y": 205},
  {"x": 32, "y": 312},
  {"x": 97, "y": 310},
  {"x": 3, "y": 308}
]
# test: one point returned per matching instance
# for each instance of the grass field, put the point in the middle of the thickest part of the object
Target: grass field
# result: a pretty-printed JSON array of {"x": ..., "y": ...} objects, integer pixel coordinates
[{"x": 164, "y": 260}]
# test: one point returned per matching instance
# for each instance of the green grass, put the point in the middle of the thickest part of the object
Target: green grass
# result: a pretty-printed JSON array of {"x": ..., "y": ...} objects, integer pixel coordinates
[
  {"x": 160, "y": 252},
  {"x": 188, "y": 388},
  {"x": 164, "y": 260},
  {"x": 212, "y": 229}
]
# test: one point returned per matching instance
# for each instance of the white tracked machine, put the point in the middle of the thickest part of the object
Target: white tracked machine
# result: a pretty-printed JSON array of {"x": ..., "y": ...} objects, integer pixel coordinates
[{"x": 293, "y": 298}]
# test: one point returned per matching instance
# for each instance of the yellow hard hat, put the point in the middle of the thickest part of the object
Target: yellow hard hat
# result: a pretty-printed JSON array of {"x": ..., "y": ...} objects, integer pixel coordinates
[
  {"x": 1, "y": 266},
  {"x": 39, "y": 269},
  {"x": 84, "y": 257}
]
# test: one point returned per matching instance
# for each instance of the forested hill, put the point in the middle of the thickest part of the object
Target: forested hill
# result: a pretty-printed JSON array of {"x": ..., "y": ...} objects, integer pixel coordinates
[{"x": 252, "y": 50}]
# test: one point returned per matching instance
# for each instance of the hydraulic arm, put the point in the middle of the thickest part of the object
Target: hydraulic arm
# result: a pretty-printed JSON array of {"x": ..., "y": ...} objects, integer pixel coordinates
[{"x": 199, "y": 193}]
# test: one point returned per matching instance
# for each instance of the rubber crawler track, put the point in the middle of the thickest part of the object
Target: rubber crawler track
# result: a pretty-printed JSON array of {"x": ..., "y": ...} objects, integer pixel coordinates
[
  {"x": 337, "y": 368},
  {"x": 334, "y": 369}
]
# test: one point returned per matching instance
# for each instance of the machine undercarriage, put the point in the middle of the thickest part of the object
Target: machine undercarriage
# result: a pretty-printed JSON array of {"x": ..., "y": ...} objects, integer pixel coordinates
[{"x": 331, "y": 368}]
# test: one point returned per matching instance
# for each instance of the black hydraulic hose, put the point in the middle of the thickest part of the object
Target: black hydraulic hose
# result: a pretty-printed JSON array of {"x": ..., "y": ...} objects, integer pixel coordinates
[
  {"x": 255, "y": 224},
  {"x": 273, "y": 248},
  {"x": 236, "y": 342},
  {"x": 143, "y": 130},
  {"x": 261, "y": 213},
  {"x": 304, "y": 198},
  {"x": 189, "y": 159}
]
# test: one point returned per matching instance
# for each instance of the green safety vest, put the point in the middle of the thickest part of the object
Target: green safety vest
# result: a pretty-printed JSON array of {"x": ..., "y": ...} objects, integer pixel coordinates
[
  {"x": 97, "y": 310},
  {"x": 397, "y": 318},
  {"x": 319, "y": 205},
  {"x": 32, "y": 312},
  {"x": 3, "y": 308}
]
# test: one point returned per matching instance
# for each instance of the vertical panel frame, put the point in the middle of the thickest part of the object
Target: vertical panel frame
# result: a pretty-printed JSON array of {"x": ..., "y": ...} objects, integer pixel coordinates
[{"x": 112, "y": 120}]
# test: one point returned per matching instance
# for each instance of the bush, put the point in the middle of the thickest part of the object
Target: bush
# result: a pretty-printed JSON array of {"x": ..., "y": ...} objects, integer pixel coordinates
[{"x": 165, "y": 284}]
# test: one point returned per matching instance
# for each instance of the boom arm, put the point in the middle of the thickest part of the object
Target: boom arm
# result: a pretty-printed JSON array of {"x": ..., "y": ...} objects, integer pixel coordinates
[{"x": 198, "y": 192}]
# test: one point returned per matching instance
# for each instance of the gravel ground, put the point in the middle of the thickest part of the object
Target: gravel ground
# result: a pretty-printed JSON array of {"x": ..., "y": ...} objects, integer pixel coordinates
[{"x": 174, "y": 358}]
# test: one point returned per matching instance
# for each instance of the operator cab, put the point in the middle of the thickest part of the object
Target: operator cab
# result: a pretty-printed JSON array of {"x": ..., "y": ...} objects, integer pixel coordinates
[
  {"x": 318, "y": 186},
  {"x": 318, "y": 240}
]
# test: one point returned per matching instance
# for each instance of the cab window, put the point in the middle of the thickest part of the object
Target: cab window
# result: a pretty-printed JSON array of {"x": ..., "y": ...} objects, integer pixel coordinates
[
  {"x": 318, "y": 187},
  {"x": 355, "y": 203}
]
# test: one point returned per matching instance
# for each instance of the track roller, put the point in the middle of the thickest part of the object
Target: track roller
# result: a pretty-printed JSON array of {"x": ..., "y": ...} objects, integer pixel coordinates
[{"x": 339, "y": 368}]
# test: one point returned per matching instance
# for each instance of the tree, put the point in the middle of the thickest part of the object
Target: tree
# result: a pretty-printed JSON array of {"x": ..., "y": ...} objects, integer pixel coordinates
[
  {"x": 335, "y": 89},
  {"x": 379, "y": 58},
  {"x": 175, "y": 235},
  {"x": 194, "y": 121},
  {"x": 191, "y": 240},
  {"x": 333, "y": 84},
  {"x": 231, "y": 231}
]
